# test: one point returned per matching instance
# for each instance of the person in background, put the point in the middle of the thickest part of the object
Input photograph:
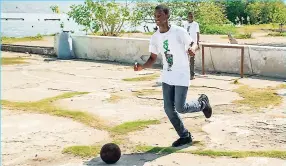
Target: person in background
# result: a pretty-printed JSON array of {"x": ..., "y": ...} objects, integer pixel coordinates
[{"x": 193, "y": 29}]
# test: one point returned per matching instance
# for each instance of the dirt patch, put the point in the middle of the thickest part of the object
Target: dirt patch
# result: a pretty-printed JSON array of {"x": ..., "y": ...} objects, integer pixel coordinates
[
  {"x": 28, "y": 137},
  {"x": 183, "y": 159},
  {"x": 230, "y": 128},
  {"x": 123, "y": 111},
  {"x": 164, "y": 134},
  {"x": 221, "y": 132},
  {"x": 243, "y": 132}
]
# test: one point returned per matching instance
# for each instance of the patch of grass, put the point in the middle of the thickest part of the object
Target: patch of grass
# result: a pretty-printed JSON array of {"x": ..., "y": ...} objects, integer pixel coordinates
[
  {"x": 134, "y": 31},
  {"x": 114, "y": 98},
  {"x": 12, "y": 60},
  {"x": 240, "y": 154},
  {"x": 243, "y": 36},
  {"x": 143, "y": 78},
  {"x": 46, "y": 106},
  {"x": 277, "y": 34},
  {"x": 235, "y": 82},
  {"x": 151, "y": 149},
  {"x": 281, "y": 86},
  {"x": 212, "y": 153},
  {"x": 257, "y": 98},
  {"x": 218, "y": 29},
  {"x": 257, "y": 28},
  {"x": 9, "y": 40},
  {"x": 128, "y": 127},
  {"x": 82, "y": 151},
  {"x": 148, "y": 33},
  {"x": 146, "y": 92}
]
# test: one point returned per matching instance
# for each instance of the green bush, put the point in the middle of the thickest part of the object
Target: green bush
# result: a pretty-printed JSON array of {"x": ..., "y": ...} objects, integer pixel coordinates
[{"x": 217, "y": 29}]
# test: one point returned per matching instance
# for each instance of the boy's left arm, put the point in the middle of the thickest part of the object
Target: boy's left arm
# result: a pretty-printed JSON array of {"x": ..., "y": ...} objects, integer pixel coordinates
[{"x": 188, "y": 41}]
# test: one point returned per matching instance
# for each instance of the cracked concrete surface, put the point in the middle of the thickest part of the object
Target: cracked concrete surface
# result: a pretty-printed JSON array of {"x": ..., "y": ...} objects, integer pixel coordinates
[{"x": 37, "y": 139}]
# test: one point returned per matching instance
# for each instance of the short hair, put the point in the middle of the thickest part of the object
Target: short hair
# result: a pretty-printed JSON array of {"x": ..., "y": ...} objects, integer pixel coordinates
[{"x": 164, "y": 8}]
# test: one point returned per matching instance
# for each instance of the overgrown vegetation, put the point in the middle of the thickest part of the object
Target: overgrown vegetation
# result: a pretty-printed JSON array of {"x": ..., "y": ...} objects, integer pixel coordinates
[
  {"x": 127, "y": 127},
  {"x": 145, "y": 92},
  {"x": 82, "y": 151},
  {"x": 244, "y": 36},
  {"x": 259, "y": 97},
  {"x": 277, "y": 34},
  {"x": 10, "y": 40},
  {"x": 218, "y": 29},
  {"x": 46, "y": 106},
  {"x": 114, "y": 98},
  {"x": 142, "y": 78},
  {"x": 213, "y": 153},
  {"x": 12, "y": 60}
]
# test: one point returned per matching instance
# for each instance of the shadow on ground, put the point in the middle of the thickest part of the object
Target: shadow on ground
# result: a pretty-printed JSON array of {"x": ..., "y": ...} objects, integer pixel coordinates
[{"x": 135, "y": 159}]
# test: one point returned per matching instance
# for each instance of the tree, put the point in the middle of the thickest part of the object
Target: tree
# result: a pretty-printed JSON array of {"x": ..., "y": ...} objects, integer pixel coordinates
[
  {"x": 234, "y": 9},
  {"x": 82, "y": 15},
  {"x": 279, "y": 16},
  {"x": 101, "y": 14},
  {"x": 210, "y": 13},
  {"x": 262, "y": 11},
  {"x": 55, "y": 9}
]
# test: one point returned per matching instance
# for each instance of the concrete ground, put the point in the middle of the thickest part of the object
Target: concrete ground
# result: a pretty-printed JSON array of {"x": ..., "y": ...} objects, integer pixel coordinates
[{"x": 38, "y": 139}]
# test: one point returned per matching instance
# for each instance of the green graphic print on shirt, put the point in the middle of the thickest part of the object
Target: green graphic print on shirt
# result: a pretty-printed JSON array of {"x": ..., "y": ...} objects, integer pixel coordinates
[{"x": 169, "y": 57}]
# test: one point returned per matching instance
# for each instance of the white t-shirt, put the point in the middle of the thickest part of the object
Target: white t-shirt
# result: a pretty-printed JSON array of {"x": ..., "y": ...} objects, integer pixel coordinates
[
  {"x": 173, "y": 46},
  {"x": 192, "y": 29}
]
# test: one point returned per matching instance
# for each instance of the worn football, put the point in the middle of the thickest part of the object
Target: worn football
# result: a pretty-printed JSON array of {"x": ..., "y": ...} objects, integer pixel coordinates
[{"x": 110, "y": 153}]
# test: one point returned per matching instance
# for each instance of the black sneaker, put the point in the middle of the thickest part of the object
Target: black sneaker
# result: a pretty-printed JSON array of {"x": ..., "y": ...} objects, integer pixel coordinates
[
  {"x": 208, "y": 109},
  {"x": 183, "y": 141}
]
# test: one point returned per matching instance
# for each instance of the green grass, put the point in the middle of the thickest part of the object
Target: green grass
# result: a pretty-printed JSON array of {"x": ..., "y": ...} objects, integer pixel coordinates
[
  {"x": 46, "y": 106},
  {"x": 213, "y": 153},
  {"x": 281, "y": 86},
  {"x": 82, "y": 151},
  {"x": 148, "y": 33},
  {"x": 218, "y": 29},
  {"x": 277, "y": 34},
  {"x": 146, "y": 92},
  {"x": 92, "y": 151},
  {"x": 236, "y": 82},
  {"x": 257, "y": 28},
  {"x": 151, "y": 149},
  {"x": 114, "y": 98},
  {"x": 256, "y": 98},
  {"x": 143, "y": 78},
  {"x": 12, "y": 60},
  {"x": 243, "y": 36},
  {"x": 240, "y": 154},
  {"x": 128, "y": 127},
  {"x": 9, "y": 40}
]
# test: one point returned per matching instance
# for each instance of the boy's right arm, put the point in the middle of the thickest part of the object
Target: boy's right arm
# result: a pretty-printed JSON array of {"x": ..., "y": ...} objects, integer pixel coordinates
[{"x": 153, "y": 49}]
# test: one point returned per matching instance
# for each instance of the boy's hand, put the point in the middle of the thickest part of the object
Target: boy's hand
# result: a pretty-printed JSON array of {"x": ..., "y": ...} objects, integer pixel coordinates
[
  {"x": 190, "y": 52},
  {"x": 138, "y": 67}
]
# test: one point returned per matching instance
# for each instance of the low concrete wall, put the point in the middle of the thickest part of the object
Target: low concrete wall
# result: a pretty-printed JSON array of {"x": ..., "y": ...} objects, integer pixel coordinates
[
  {"x": 126, "y": 50},
  {"x": 29, "y": 49},
  {"x": 258, "y": 60}
]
